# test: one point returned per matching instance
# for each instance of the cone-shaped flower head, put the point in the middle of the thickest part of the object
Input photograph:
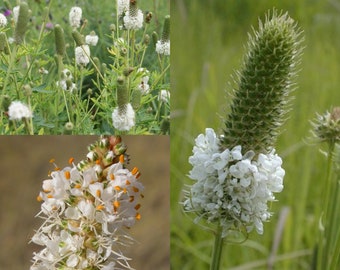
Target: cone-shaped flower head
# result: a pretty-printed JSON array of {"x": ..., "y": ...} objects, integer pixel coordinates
[
  {"x": 237, "y": 174},
  {"x": 59, "y": 40},
  {"x": 86, "y": 208},
  {"x": 163, "y": 45},
  {"x": 134, "y": 17},
  {"x": 260, "y": 100},
  {"x": 326, "y": 127},
  {"x": 21, "y": 23}
]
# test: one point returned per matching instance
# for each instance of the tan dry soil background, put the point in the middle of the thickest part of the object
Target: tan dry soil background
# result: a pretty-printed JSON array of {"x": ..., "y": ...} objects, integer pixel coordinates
[{"x": 24, "y": 164}]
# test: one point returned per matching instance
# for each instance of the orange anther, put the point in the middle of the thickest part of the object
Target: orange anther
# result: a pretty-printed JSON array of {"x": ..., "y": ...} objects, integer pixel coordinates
[
  {"x": 98, "y": 161},
  {"x": 98, "y": 193},
  {"x": 134, "y": 171},
  {"x": 118, "y": 188},
  {"x": 124, "y": 190},
  {"x": 39, "y": 198},
  {"x": 77, "y": 186},
  {"x": 137, "y": 206},
  {"x": 138, "y": 216},
  {"x": 49, "y": 196},
  {"x": 100, "y": 207},
  {"x": 121, "y": 159},
  {"x": 112, "y": 176},
  {"x": 70, "y": 161},
  {"x": 52, "y": 160},
  {"x": 57, "y": 169},
  {"x": 135, "y": 189},
  {"x": 132, "y": 198},
  {"x": 116, "y": 204},
  {"x": 127, "y": 182},
  {"x": 138, "y": 175},
  {"x": 67, "y": 175}
]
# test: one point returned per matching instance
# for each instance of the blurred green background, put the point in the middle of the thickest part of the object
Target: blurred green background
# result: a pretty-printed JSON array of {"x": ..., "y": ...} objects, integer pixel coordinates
[
  {"x": 25, "y": 164},
  {"x": 208, "y": 39}
]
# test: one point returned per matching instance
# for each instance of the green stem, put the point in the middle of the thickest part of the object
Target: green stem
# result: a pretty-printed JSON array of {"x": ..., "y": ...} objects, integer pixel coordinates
[
  {"x": 324, "y": 235},
  {"x": 9, "y": 70},
  {"x": 217, "y": 250}
]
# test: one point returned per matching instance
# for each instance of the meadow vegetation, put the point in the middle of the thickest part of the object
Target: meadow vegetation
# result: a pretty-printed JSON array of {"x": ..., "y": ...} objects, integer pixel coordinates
[{"x": 71, "y": 87}]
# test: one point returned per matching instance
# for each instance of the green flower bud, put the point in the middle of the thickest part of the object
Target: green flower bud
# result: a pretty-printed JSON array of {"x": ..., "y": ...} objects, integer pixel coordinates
[
  {"x": 146, "y": 39},
  {"x": 326, "y": 127},
  {"x": 154, "y": 38},
  {"x": 3, "y": 41},
  {"x": 260, "y": 100},
  {"x": 112, "y": 27},
  {"x": 166, "y": 29},
  {"x": 68, "y": 128},
  {"x": 136, "y": 99},
  {"x": 78, "y": 38},
  {"x": 6, "y": 101},
  {"x": 27, "y": 90},
  {"x": 165, "y": 126},
  {"x": 128, "y": 71},
  {"x": 59, "y": 40},
  {"x": 122, "y": 93},
  {"x": 148, "y": 17},
  {"x": 21, "y": 26}
]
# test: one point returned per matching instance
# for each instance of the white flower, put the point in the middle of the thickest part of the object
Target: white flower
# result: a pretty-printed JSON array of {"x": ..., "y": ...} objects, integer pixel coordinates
[
  {"x": 66, "y": 81},
  {"x": 17, "y": 110},
  {"x": 85, "y": 229},
  {"x": 144, "y": 87},
  {"x": 123, "y": 6},
  {"x": 164, "y": 96},
  {"x": 16, "y": 13},
  {"x": 82, "y": 54},
  {"x": 230, "y": 187},
  {"x": 123, "y": 120},
  {"x": 75, "y": 16},
  {"x": 91, "y": 39},
  {"x": 3, "y": 20},
  {"x": 133, "y": 22},
  {"x": 163, "y": 47}
]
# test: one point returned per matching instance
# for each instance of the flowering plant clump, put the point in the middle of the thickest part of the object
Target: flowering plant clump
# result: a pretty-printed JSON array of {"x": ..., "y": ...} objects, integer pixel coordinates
[
  {"x": 232, "y": 188},
  {"x": 86, "y": 208},
  {"x": 97, "y": 50},
  {"x": 236, "y": 173}
]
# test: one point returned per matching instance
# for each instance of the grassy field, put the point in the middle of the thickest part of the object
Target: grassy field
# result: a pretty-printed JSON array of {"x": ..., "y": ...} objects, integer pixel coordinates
[{"x": 206, "y": 51}]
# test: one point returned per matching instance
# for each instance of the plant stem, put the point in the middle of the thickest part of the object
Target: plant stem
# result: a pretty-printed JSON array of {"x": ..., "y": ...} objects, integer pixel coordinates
[
  {"x": 324, "y": 235},
  {"x": 217, "y": 250}
]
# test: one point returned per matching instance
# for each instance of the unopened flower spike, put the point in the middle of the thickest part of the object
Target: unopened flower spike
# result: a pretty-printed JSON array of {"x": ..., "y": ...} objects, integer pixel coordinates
[
  {"x": 86, "y": 210},
  {"x": 326, "y": 127},
  {"x": 260, "y": 100},
  {"x": 59, "y": 40},
  {"x": 21, "y": 23},
  {"x": 237, "y": 173},
  {"x": 163, "y": 45}
]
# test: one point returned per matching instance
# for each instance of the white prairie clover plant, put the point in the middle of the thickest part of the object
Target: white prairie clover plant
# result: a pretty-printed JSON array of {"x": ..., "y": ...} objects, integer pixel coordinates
[
  {"x": 326, "y": 128},
  {"x": 237, "y": 173},
  {"x": 86, "y": 209}
]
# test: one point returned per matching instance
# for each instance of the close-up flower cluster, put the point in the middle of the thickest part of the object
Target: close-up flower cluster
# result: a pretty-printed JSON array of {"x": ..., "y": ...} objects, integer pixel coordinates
[
  {"x": 86, "y": 209},
  {"x": 232, "y": 188}
]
